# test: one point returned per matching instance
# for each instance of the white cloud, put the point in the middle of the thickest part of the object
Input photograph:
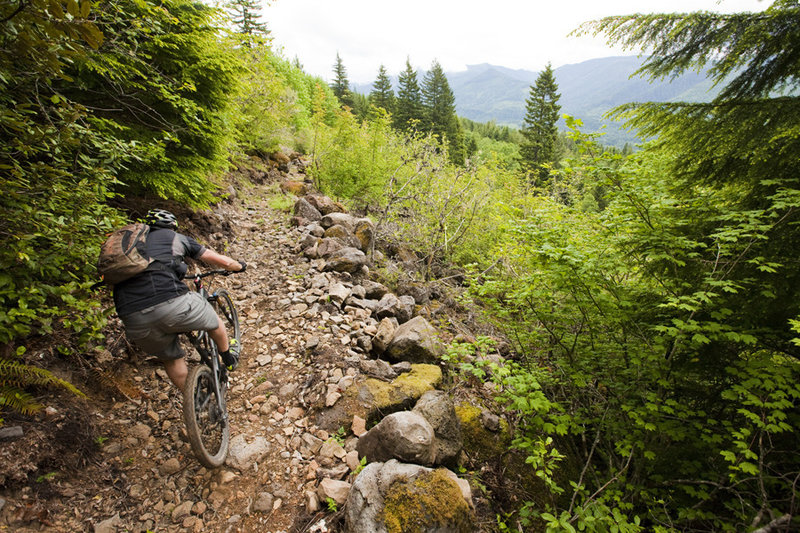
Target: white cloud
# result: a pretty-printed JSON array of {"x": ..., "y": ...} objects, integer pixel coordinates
[{"x": 512, "y": 33}]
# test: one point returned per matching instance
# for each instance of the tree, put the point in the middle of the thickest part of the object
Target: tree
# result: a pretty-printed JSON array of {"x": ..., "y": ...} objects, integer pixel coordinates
[
  {"x": 745, "y": 142},
  {"x": 340, "y": 84},
  {"x": 439, "y": 104},
  {"x": 408, "y": 106},
  {"x": 539, "y": 130},
  {"x": 246, "y": 15},
  {"x": 382, "y": 94}
]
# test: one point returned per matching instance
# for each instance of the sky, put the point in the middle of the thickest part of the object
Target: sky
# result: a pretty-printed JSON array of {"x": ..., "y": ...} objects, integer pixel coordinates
[{"x": 518, "y": 34}]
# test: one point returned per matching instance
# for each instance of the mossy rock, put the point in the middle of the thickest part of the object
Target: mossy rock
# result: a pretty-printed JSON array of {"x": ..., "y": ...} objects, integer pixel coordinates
[
  {"x": 407, "y": 387},
  {"x": 431, "y": 502},
  {"x": 479, "y": 442},
  {"x": 374, "y": 398}
]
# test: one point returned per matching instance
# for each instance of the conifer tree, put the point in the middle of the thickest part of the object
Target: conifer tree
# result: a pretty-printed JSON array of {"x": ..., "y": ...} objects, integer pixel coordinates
[
  {"x": 246, "y": 15},
  {"x": 408, "y": 106},
  {"x": 382, "y": 94},
  {"x": 439, "y": 102},
  {"x": 539, "y": 131},
  {"x": 340, "y": 84}
]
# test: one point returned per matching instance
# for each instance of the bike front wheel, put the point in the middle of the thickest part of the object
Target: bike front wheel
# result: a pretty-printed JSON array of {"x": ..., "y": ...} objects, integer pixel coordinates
[
  {"x": 206, "y": 424},
  {"x": 223, "y": 305}
]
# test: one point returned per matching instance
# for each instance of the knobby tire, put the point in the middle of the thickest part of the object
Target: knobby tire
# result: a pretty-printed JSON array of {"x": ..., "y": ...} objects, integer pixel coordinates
[{"x": 208, "y": 435}]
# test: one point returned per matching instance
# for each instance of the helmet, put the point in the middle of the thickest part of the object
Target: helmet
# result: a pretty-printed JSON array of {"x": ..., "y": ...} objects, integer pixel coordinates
[{"x": 161, "y": 218}]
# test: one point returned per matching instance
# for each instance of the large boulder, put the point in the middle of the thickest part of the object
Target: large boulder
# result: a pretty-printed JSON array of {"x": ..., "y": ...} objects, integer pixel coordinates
[
  {"x": 406, "y": 436},
  {"x": 327, "y": 247},
  {"x": 341, "y": 219},
  {"x": 325, "y": 205},
  {"x": 405, "y": 308},
  {"x": 345, "y": 260},
  {"x": 439, "y": 410},
  {"x": 305, "y": 210},
  {"x": 371, "y": 397},
  {"x": 374, "y": 290},
  {"x": 415, "y": 341},
  {"x": 393, "y": 496},
  {"x": 344, "y": 235}
]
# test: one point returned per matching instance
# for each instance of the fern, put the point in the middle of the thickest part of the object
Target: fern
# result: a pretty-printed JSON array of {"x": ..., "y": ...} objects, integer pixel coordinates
[
  {"x": 16, "y": 376},
  {"x": 18, "y": 400}
]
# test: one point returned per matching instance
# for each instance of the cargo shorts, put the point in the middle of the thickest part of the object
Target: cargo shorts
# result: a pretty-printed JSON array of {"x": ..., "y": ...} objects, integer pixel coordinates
[{"x": 155, "y": 329}]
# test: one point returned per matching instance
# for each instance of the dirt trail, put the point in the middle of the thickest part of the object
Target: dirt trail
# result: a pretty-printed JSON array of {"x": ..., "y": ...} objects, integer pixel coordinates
[{"x": 144, "y": 476}]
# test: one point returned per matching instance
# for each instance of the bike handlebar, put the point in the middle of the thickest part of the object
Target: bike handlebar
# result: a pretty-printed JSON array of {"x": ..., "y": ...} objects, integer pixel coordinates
[{"x": 213, "y": 272}]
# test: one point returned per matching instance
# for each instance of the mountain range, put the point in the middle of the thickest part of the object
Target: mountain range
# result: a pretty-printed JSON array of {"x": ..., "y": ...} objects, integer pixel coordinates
[{"x": 588, "y": 90}]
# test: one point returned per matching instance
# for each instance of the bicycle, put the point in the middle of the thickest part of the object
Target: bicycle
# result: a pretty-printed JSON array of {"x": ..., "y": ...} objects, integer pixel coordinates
[{"x": 204, "y": 410}]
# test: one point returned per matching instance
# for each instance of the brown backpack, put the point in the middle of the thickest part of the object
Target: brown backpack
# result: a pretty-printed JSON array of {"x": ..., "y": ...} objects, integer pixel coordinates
[{"x": 124, "y": 254}]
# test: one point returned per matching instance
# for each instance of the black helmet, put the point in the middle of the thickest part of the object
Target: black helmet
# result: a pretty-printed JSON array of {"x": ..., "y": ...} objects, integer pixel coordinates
[{"x": 161, "y": 218}]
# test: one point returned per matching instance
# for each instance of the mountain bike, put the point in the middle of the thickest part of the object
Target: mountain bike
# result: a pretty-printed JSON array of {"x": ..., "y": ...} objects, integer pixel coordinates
[{"x": 204, "y": 411}]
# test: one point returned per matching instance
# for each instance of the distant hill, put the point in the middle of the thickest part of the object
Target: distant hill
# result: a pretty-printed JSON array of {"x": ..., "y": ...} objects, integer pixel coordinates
[{"x": 588, "y": 90}]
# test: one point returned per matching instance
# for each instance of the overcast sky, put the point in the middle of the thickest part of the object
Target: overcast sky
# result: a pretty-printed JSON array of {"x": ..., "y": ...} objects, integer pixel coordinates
[{"x": 519, "y": 34}]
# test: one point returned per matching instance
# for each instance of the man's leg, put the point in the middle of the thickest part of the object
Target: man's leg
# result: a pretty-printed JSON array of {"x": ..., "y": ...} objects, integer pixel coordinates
[
  {"x": 177, "y": 370},
  {"x": 220, "y": 336}
]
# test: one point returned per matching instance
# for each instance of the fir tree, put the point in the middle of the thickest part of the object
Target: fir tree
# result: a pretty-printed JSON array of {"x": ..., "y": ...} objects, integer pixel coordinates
[
  {"x": 408, "y": 106},
  {"x": 382, "y": 94},
  {"x": 539, "y": 131},
  {"x": 246, "y": 15},
  {"x": 439, "y": 103},
  {"x": 340, "y": 85}
]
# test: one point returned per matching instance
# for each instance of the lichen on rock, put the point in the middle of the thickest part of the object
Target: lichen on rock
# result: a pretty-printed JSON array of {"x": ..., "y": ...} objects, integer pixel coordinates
[{"x": 431, "y": 502}]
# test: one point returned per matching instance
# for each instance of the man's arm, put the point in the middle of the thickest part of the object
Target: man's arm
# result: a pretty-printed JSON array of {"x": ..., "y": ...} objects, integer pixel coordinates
[{"x": 222, "y": 261}]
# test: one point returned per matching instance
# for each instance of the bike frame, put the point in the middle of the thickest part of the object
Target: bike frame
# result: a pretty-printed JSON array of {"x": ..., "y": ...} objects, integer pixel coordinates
[{"x": 201, "y": 340}]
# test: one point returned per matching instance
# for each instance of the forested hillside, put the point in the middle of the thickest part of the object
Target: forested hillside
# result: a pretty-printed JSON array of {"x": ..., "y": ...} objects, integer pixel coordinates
[
  {"x": 647, "y": 305},
  {"x": 492, "y": 93}
]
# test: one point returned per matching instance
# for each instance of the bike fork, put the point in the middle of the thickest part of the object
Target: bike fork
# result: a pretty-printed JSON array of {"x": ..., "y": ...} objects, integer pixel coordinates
[{"x": 220, "y": 384}]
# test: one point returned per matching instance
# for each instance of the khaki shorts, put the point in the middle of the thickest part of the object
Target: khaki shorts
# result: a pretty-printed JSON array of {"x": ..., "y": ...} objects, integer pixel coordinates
[{"x": 155, "y": 329}]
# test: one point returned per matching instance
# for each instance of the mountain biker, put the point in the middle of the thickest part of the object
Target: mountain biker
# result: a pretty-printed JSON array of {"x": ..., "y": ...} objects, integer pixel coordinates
[{"x": 156, "y": 306}]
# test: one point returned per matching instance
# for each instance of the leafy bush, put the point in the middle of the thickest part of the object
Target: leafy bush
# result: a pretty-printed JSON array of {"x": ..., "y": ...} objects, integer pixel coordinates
[{"x": 639, "y": 367}]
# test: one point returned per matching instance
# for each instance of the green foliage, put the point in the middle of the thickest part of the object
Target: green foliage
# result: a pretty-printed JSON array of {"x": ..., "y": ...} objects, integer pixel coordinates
[
  {"x": 331, "y": 504},
  {"x": 270, "y": 101},
  {"x": 640, "y": 363},
  {"x": 352, "y": 159},
  {"x": 164, "y": 84},
  {"x": 57, "y": 175}
]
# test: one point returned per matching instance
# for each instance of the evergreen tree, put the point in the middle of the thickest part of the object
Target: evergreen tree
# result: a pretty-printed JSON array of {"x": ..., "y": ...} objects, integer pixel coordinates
[
  {"x": 340, "y": 85},
  {"x": 540, "y": 134},
  {"x": 439, "y": 104},
  {"x": 382, "y": 94},
  {"x": 408, "y": 106},
  {"x": 246, "y": 15}
]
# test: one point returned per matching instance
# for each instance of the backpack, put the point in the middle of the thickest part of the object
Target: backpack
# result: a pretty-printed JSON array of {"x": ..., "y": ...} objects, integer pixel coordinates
[{"x": 124, "y": 254}]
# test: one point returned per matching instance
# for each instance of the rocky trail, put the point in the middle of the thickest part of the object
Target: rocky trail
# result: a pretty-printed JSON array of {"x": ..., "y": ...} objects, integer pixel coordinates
[{"x": 309, "y": 384}]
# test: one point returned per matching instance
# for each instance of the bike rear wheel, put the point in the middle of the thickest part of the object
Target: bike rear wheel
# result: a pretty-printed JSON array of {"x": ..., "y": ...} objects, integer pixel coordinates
[{"x": 206, "y": 424}]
